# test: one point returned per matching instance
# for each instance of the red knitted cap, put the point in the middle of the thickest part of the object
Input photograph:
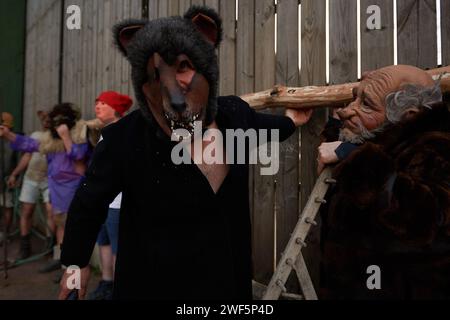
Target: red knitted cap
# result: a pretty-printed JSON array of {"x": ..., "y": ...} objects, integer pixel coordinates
[{"x": 119, "y": 102}]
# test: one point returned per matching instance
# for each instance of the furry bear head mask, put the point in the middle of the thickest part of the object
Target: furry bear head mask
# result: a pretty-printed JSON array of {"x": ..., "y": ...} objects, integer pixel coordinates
[{"x": 174, "y": 66}]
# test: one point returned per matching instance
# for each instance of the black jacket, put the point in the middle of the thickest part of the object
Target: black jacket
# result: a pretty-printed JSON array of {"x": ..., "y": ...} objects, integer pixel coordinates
[{"x": 177, "y": 239}]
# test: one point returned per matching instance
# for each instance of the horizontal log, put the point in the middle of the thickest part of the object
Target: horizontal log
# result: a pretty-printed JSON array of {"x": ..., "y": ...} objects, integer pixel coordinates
[{"x": 335, "y": 96}]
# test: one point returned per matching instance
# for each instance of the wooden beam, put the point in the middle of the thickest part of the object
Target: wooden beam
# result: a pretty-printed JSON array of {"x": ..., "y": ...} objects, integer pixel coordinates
[{"x": 334, "y": 96}]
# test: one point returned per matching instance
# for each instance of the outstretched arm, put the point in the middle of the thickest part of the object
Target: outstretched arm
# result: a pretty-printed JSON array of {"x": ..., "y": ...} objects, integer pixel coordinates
[{"x": 19, "y": 142}]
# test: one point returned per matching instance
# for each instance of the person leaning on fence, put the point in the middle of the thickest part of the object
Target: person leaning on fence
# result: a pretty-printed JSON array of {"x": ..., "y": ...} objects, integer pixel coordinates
[
  {"x": 34, "y": 188},
  {"x": 110, "y": 107},
  {"x": 390, "y": 207},
  {"x": 65, "y": 146},
  {"x": 9, "y": 159}
]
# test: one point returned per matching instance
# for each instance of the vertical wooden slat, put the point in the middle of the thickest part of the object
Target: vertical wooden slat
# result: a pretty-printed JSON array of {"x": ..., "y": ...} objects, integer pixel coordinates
[
  {"x": 84, "y": 65},
  {"x": 90, "y": 95},
  {"x": 163, "y": 8},
  {"x": 136, "y": 12},
  {"x": 174, "y": 7},
  {"x": 343, "y": 41},
  {"x": 262, "y": 188},
  {"x": 42, "y": 59},
  {"x": 126, "y": 14},
  {"x": 66, "y": 65},
  {"x": 445, "y": 31},
  {"x": 30, "y": 54},
  {"x": 377, "y": 46},
  {"x": 111, "y": 52},
  {"x": 198, "y": 2},
  {"x": 417, "y": 39},
  {"x": 77, "y": 47},
  {"x": 227, "y": 53},
  {"x": 99, "y": 68},
  {"x": 106, "y": 57},
  {"x": 153, "y": 9},
  {"x": 313, "y": 73},
  {"x": 93, "y": 53},
  {"x": 118, "y": 57},
  {"x": 184, "y": 5},
  {"x": 287, "y": 73},
  {"x": 212, "y": 4},
  {"x": 245, "y": 65}
]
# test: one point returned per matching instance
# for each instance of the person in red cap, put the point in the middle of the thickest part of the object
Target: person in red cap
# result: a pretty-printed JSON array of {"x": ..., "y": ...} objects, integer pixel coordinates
[{"x": 110, "y": 107}]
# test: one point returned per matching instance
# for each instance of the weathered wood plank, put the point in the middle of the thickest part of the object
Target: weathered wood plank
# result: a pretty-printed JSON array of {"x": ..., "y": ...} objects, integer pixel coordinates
[
  {"x": 77, "y": 47},
  {"x": 262, "y": 187},
  {"x": 212, "y": 4},
  {"x": 93, "y": 53},
  {"x": 245, "y": 48},
  {"x": 445, "y": 31},
  {"x": 119, "y": 14},
  {"x": 174, "y": 7},
  {"x": 287, "y": 72},
  {"x": 99, "y": 68},
  {"x": 227, "y": 55},
  {"x": 42, "y": 60},
  {"x": 198, "y": 2},
  {"x": 313, "y": 73},
  {"x": 184, "y": 5},
  {"x": 153, "y": 9},
  {"x": 343, "y": 41},
  {"x": 377, "y": 46},
  {"x": 417, "y": 39},
  {"x": 107, "y": 67},
  {"x": 163, "y": 8},
  {"x": 126, "y": 14},
  {"x": 85, "y": 65},
  {"x": 136, "y": 12}
]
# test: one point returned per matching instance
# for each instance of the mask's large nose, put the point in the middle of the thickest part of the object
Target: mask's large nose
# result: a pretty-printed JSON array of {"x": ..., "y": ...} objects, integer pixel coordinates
[{"x": 346, "y": 113}]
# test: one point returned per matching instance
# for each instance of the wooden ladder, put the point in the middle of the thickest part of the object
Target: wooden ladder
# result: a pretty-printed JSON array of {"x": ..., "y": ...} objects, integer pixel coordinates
[{"x": 292, "y": 258}]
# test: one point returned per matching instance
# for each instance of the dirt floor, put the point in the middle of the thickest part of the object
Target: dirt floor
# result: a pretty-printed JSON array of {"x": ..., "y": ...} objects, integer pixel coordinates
[{"x": 25, "y": 282}]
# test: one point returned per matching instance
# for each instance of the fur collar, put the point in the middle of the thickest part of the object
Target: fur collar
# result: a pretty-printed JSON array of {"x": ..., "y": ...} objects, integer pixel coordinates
[
  {"x": 435, "y": 120},
  {"x": 50, "y": 145}
]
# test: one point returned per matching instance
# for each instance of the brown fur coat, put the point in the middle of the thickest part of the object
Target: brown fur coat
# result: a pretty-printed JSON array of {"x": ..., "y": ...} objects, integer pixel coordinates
[{"x": 391, "y": 208}]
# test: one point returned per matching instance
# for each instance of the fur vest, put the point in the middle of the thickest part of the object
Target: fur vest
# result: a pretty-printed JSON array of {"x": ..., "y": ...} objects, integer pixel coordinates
[{"x": 82, "y": 132}]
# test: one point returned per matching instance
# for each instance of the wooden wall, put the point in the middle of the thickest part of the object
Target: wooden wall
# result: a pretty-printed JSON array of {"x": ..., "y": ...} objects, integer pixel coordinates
[
  {"x": 42, "y": 59},
  {"x": 261, "y": 47},
  {"x": 91, "y": 63}
]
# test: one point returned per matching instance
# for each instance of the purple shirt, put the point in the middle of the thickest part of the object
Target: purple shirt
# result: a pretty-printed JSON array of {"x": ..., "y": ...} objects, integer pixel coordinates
[{"x": 63, "y": 180}]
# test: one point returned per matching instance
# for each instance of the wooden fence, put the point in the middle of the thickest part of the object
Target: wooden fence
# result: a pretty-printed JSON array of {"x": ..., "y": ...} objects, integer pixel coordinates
[{"x": 262, "y": 41}]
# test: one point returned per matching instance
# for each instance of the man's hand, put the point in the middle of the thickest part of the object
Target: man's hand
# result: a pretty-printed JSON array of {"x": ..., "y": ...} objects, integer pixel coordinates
[
  {"x": 12, "y": 182},
  {"x": 63, "y": 131},
  {"x": 327, "y": 155},
  {"x": 64, "y": 291},
  {"x": 4, "y": 131},
  {"x": 299, "y": 116}
]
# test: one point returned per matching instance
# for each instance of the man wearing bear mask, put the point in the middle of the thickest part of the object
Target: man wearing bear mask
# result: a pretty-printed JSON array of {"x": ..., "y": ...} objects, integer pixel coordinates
[{"x": 184, "y": 229}]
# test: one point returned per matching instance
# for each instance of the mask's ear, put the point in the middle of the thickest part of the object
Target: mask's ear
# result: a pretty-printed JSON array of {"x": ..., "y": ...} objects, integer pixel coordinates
[
  {"x": 125, "y": 31},
  {"x": 208, "y": 23}
]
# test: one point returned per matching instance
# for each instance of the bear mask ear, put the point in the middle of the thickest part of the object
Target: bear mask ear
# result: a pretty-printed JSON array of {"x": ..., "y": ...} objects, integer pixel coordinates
[
  {"x": 124, "y": 33},
  {"x": 208, "y": 23}
]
